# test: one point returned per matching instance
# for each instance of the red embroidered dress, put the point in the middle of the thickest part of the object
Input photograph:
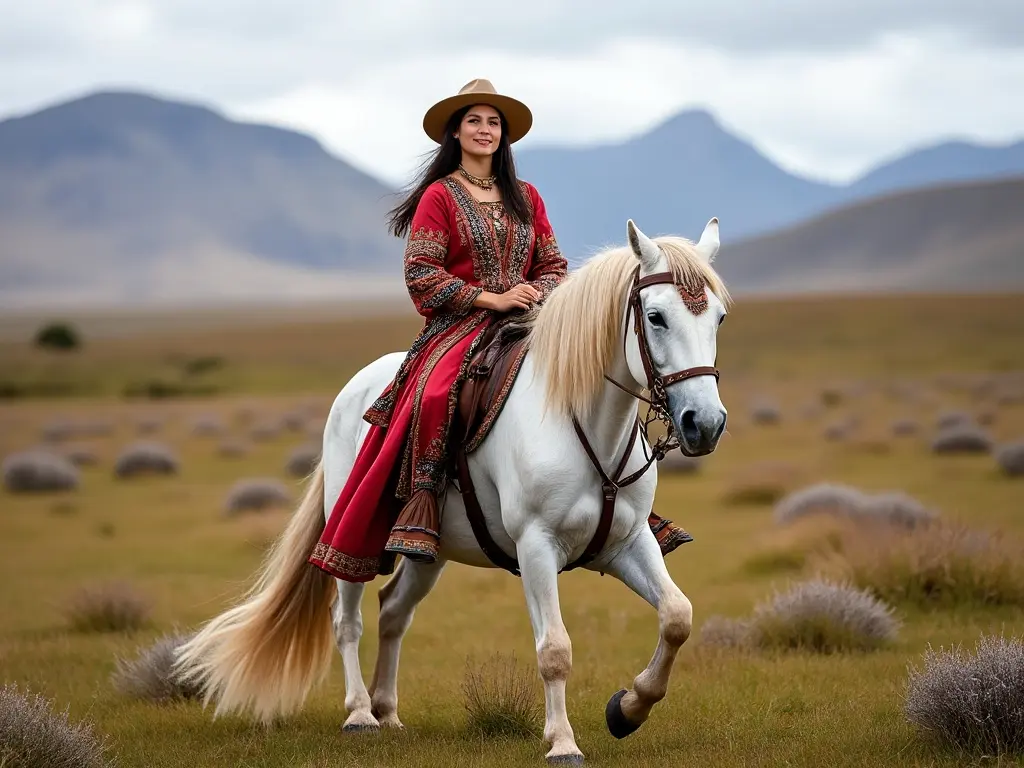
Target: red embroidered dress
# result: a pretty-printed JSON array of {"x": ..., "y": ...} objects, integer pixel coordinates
[{"x": 457, "y": 248}]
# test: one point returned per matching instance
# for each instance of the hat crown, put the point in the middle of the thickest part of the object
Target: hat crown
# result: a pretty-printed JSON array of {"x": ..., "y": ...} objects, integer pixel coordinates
[{"x": 478, "y": 85}]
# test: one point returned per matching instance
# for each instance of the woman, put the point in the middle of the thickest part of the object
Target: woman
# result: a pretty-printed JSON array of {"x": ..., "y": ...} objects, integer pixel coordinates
[{"x": 480, "y": 248}]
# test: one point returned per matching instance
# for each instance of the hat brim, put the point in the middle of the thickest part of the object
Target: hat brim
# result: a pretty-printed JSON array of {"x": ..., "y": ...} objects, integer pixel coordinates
[{"x": 517, "y": 115}]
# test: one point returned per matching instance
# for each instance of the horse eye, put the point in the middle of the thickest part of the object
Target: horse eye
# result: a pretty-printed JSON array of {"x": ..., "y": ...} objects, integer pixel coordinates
[
  {"x": 656, "y": 319},
  {"x": 721, "y": 319}
]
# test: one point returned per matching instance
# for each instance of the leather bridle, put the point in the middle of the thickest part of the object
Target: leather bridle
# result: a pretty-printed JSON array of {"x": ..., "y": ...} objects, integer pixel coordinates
[{"x": 658, "y": 406}]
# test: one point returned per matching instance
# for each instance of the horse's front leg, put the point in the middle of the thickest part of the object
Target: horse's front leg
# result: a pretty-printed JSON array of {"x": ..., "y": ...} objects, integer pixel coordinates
[
  {"x": 539, "y": 567},
  {"x": 641, "y": 566}
]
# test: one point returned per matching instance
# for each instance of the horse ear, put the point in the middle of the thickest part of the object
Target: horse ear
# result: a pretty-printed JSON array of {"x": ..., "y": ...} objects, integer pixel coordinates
[
  {"x": 708, "y": 244},
  {"x": 645, "y": 249}
]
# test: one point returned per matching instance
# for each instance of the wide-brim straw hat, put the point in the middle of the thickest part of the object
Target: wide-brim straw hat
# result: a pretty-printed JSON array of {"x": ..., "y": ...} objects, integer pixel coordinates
[{"x": 517, "y": 115}]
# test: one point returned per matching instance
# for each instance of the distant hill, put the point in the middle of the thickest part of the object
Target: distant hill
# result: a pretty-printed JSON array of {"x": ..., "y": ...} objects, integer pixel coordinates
[
  {"x": 943, "y": 163},
  {"x": 675, "y": 177},
  {"x": 959, "y": 237},
  {"x": 119, "y": 197},
  {"x": 130, "y": 196}
]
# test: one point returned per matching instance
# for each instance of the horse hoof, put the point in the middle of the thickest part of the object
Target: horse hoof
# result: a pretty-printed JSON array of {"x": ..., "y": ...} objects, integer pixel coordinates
[
  {"x": 618, "y": 725},
  {"x": 360, "y": 728},
  {"x": 565, "y": 760}
]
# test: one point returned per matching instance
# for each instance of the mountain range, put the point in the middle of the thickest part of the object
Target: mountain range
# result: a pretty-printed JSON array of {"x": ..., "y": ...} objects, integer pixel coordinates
[{"x": 120, "y": 196}]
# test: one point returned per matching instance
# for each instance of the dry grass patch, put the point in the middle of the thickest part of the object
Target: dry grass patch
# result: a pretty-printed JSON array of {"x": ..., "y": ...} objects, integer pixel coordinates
[
  {"x": 33, "y": 735},
  {"x": 146, "y": 458},
  {"x": 501, "y": 698},
  {"x": 150, "y": 677},
  {"x": 935, "y": 565},
  {"x": 818, "y": 615},
  {"x": 973, "y": 702},
  {"x": 38, "y": 471},
  {"x": 962, "y": 438},
  {"x": 1010, "y": 458},
  {"x": 109, "y": 607},
  {"x": 257, "y": 495},
  {"x": 303, "y": 460},
  {"x": 890, "y": 507}
]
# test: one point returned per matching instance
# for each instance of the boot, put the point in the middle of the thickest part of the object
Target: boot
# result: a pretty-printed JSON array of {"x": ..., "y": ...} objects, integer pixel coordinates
[
  {"x": 668, "y": 534},
  {"x": 416, "y": 532}
]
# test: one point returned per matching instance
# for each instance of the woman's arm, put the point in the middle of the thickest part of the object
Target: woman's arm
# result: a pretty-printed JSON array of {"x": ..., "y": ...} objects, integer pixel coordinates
[
  {"x": 549, "y": 267},
  {"x": 432, "y": 288}
]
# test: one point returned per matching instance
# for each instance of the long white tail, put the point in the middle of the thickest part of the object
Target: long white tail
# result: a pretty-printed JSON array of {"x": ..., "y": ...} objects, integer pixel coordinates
[{"x": 269, "y": 651}]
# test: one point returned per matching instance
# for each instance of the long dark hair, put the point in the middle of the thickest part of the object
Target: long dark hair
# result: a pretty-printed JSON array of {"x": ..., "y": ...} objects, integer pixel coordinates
[{"x": 446, "y": 160}]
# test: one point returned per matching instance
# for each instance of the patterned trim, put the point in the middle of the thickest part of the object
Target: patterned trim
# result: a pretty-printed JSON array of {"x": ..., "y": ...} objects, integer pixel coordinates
[
  {"x": 552, "y": 268},
  {"x": 498, "y": 262},
  {"x": 430, "y": 285},
  {"x": 344, "y": 566},
  {"x": 429, "y": 467},
  {"x": 692, "y": 292}
]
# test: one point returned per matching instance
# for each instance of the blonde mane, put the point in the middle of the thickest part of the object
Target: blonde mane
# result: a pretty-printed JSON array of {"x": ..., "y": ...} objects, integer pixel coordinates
[{"x": 574, "y": 335}]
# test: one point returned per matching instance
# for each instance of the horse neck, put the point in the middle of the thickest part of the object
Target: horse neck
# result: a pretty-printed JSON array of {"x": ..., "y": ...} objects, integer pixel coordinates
[{"x": 610, "y": 422}]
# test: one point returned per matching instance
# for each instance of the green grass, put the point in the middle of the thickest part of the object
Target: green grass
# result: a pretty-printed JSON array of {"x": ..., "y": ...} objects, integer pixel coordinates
[{"x": 167, "y": 537}]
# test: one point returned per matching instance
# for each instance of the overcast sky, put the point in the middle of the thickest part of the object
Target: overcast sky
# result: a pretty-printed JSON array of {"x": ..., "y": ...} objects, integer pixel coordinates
[{"x": 824, "y": 87}]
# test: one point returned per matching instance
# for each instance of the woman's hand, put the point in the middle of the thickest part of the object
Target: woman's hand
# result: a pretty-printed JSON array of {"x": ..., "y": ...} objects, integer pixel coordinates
[{"x": 521, "y": 296}]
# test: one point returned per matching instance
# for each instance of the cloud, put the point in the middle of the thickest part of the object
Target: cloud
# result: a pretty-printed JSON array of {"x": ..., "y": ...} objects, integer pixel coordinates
[
  {"x": 826, "y": 89},
  {"x": 829, "y": 115}
]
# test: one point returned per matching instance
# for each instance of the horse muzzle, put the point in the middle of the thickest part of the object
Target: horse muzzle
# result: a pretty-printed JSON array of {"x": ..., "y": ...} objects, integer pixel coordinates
[{"x": 700, "y": 431}]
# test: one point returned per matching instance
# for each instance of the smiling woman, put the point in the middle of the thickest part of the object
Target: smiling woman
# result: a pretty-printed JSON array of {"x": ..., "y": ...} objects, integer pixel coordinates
[{"x": 480, "y": 251}]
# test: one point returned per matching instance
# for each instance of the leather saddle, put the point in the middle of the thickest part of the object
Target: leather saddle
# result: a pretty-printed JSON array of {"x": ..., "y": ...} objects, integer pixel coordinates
[{"x": 492, "y": 372}]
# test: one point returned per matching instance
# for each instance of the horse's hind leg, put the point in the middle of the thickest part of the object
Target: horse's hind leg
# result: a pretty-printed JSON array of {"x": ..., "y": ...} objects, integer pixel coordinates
[
  {"x": 641, "y": 566},
  {"x": 348, "y": 630},
  {"x": 398, "y": 600}
]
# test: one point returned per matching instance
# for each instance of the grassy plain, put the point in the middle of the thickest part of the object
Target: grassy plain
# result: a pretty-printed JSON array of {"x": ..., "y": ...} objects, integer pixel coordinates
[{"x": 819, "y": 361}]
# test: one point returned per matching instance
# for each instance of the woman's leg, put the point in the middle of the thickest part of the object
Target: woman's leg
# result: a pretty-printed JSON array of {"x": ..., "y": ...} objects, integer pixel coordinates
[{"x": 416, "y": 533}]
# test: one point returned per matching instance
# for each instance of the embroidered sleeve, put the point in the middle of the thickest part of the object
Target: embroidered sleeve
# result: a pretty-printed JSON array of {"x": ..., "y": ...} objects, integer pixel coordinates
[
  {"x": 549, "y": 267},
  {"x": 433, "y": 289}
]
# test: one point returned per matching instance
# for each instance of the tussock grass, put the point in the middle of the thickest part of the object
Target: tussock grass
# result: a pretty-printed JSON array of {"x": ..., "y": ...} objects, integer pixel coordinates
[
  {"x": 891, "y": 507},
  {"x": 256, "y": 494},
  {"x": 149, "y": 675},
  {"x": 303, "y": 460},
  {"x": 973, "y": 702},
  {"x": 146, "y": 458},
  {"x": 962, "y": 438},
  {"x": 939, "y": 565},
  {"x": 816, "y": 615},
  {"x": 33, "y": 735},
  {"x": 37, "y": 471},
  {"x": 1010, "y": 458},
  {"x": 501, "y": 699},
  {"x": 107, "y": 607}
]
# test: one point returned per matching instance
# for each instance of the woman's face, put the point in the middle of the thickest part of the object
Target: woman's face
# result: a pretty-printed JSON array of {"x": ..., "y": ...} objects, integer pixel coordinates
[{"x": 479, "y": 131}]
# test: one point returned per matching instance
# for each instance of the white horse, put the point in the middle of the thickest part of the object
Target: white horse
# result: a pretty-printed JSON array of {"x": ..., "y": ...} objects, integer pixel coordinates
[{"x": 266, "y": 653}]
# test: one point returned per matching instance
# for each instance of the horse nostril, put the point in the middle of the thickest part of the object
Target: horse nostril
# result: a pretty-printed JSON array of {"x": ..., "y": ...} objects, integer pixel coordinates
[
  {"x": 720, "y": 430},
  {"x": 691, "y": 433}
]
